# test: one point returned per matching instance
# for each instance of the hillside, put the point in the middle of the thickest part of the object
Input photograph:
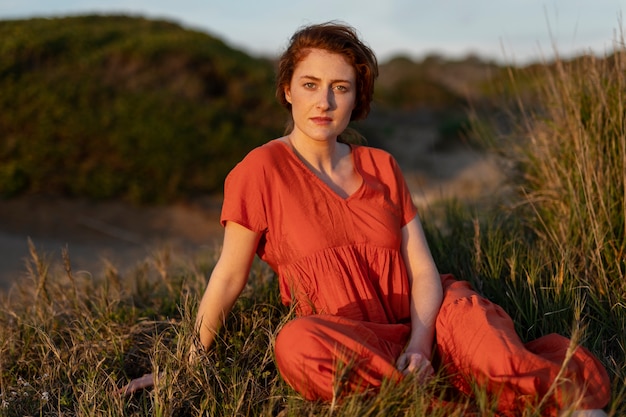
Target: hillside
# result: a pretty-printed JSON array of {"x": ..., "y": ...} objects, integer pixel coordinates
[{"x": 119, "y": 107}]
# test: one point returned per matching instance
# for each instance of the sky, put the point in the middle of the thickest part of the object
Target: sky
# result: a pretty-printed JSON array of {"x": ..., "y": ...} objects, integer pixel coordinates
[{"x": 507, "y": 31}]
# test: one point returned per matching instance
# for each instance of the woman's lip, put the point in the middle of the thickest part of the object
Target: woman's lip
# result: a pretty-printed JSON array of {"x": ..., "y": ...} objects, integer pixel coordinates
[{"x": 321, "y": 120}]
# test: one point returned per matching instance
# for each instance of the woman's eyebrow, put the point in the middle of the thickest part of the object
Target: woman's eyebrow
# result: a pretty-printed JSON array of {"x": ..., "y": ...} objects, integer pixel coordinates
[{"x": 313, "y": 78}]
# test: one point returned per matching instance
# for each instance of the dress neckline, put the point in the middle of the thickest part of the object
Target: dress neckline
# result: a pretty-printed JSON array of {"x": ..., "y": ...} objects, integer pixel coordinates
[{"x": 318, "y": 180}]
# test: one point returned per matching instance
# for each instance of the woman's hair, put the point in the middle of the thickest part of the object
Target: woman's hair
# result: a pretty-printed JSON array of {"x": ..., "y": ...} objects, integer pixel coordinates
[{"x": 336, "y": 38}]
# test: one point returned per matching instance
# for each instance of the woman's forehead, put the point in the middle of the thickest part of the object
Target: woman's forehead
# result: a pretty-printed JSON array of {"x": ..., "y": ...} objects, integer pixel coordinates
[{"x": 318, "y": 62}]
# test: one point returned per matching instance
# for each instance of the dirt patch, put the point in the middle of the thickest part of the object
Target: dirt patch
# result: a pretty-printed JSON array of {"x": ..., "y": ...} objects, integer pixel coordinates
[
  {"x": 94, "y": 233},
  {"x": 466, "y": 175}
]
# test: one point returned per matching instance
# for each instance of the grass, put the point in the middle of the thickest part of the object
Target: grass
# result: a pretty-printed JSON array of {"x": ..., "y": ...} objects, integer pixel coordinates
[
  {"x": 552, "y": 254},
  {"x": 69, "y": 340}
]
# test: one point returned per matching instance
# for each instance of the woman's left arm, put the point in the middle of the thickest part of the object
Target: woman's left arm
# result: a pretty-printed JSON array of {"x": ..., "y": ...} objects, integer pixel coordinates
[{"x": 426, "y": 296}]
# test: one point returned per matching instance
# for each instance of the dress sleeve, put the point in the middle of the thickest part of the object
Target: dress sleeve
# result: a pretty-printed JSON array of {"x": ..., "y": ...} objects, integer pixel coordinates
[
  {"x": 405, "y": 200},
  {"x": 244, "y": 196}
]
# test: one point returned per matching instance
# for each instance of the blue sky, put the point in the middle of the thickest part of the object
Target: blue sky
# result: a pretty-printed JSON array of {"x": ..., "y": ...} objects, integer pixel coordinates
[{"x": 512, "y": 31}]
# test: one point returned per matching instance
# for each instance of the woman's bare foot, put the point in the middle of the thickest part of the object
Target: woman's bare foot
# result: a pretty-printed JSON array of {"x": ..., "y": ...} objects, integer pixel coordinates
[{"x": 584, "y": 413}]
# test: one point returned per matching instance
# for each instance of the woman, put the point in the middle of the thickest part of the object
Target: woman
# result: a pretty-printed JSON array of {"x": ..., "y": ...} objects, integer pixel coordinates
[{"x": 337, "y": 224}]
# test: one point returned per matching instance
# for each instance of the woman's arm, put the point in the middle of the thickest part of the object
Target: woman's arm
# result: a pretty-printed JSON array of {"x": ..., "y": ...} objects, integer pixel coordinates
[
  {"x": 226, "y": 283},
  {"x": 426, "y": 296},
  {"x": 228, "y": 279}
]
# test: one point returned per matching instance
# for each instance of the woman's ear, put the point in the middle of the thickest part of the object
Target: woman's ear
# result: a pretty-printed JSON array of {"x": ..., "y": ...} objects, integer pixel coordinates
[{"x": 287, "y": 91}]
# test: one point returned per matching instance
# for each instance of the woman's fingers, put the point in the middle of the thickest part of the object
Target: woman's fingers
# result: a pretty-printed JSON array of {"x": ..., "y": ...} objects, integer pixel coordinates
[
  {"x": 402, "y": 362},
  {"x": 415, "y": 363},
  {"x": 137, "y": 384}
]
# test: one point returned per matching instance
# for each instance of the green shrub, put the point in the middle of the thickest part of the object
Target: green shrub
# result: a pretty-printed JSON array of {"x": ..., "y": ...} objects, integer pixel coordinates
[{"x": 120, "y": 107}]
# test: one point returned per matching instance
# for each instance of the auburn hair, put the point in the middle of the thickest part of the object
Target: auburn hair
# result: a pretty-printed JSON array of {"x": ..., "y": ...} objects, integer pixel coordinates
[{"x": 336, "y": 38}]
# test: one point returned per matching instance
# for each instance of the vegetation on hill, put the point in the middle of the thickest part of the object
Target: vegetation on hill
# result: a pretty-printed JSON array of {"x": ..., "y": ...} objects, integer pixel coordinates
[
  {"x": 120, "y": 107},
  {"x": 435, "y": 83}
]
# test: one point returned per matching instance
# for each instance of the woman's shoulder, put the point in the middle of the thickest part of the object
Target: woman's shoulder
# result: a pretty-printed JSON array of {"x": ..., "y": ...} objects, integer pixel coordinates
[
  {"x": 268, "y": 149},
  {"x": 375, "y": 156},
  {"x": 372, "y": 151},
  {"x": 259, "y": 166},
  {"x": 263, "y": 155}
]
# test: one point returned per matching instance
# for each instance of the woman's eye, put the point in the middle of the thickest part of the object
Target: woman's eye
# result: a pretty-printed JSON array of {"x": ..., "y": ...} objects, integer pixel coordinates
[
  {"x": 341, "y": 88},
  {"x": 309, "y": 85}
]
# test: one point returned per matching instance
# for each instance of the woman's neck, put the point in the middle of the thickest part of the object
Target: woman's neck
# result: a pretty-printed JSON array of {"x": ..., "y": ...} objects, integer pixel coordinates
[
  {"x": 329, "y": 161},
  {"x": 322, "y": 156}
]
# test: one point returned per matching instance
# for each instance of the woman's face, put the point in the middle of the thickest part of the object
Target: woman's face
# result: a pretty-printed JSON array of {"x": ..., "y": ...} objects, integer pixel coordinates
[{"x": 322, "y": 94}]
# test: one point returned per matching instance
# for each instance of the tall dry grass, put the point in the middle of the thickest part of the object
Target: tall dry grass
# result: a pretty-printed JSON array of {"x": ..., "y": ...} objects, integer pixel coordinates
[
  {"x": 568, "y": 151},
  {"x": 69, "y": 340},
  {"x": 573, "y": 158}
]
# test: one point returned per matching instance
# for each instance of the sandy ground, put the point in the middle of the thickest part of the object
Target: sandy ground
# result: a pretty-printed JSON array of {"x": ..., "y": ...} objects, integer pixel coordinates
[
  {"x": 125, "y": 235},
  {"x": 94, "y": 234}
]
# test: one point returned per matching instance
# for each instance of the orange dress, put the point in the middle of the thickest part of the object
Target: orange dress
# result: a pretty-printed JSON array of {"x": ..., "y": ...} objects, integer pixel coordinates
[{"x": 339, "y": 260}]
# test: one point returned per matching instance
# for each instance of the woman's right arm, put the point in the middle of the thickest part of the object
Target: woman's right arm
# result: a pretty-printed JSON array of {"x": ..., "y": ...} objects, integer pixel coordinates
[{"x": 227, "y": 281}]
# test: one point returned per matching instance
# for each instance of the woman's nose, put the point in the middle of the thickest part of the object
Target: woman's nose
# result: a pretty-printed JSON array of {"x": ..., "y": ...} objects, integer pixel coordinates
[{"x": 326, "y": 99}]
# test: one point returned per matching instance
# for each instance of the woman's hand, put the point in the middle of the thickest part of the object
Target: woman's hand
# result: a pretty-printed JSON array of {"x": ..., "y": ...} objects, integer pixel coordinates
[
  {"x": 137, "y": 384},
  {"x": 148, "y": 380},
  {"x": 415, "y": 363}
]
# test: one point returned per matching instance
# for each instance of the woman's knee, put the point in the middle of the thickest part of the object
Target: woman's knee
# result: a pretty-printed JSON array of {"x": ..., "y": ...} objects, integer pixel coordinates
[
  {"x": 293, "y": 337},
  {"x": 303, "y": 361}
]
